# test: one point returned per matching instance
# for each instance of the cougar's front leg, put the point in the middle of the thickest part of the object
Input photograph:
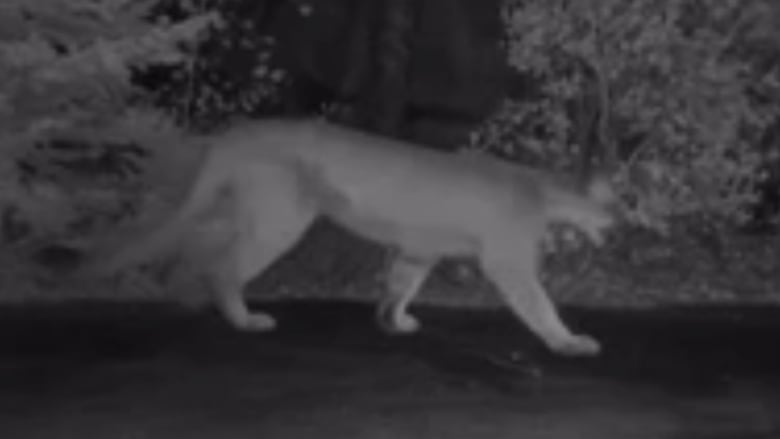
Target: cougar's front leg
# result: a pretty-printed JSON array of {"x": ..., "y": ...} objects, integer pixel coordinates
[
  {"x": 405, "y": 276},
  {"x": 526, "y": 297}
]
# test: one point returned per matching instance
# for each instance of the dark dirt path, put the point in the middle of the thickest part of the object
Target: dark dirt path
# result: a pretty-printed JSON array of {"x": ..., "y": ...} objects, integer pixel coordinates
[{"x": 132, "y": 371}]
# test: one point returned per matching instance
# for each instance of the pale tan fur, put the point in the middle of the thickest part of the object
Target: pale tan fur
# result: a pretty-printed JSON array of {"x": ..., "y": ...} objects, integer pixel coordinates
[{"x": 269, "y": 180}]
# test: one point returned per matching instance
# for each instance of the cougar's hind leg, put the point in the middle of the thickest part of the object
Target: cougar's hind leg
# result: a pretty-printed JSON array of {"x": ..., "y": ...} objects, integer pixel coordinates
[
  {"x": 265, "y": 231},
  {"x": 405, "y": 276},
  {"x": 520, "y": 288},
  {"x": 227, "y": 287}
]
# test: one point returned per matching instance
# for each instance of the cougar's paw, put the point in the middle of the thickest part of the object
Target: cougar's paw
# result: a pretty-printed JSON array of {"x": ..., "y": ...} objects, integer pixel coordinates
[
  {"x": 256, "y": 322},
  {"x": 397, "y": 323},
  {"x": 577, "y": 346},
  {"x": 404, "y": 324}
]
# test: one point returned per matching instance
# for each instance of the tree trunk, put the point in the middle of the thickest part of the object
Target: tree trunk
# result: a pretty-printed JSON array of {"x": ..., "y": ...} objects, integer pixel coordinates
[{"x": 383, "y": 108}]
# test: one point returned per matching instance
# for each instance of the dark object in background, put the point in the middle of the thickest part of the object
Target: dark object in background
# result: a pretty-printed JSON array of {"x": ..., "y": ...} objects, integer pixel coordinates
[
  {"x": 403, "y": 65},
  {"x": 427, "y": 69},
  {"x": 765, "y": 213},
  {"x": 58, "y": 257}
]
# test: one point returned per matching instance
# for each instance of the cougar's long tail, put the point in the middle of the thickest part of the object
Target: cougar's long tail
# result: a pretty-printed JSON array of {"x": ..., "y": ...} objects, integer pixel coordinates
[{"x": 210, "y": 180}]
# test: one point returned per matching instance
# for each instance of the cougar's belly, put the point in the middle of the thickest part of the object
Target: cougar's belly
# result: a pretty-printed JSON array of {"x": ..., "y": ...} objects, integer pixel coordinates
[{"x": 420, "y": 240}]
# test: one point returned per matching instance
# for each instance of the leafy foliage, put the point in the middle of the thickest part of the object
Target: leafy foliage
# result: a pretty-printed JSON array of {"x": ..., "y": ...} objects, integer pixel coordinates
[
  {"x": 657, "y": 90},
  {"x": 232, "y": 72},
  {"x": 65, "y": 72}
]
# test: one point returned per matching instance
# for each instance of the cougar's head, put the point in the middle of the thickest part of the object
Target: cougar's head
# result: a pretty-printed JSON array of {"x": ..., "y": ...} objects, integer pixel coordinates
[
  {"x": 602, "y": 200},
  {"x": 591, "y": 208}
]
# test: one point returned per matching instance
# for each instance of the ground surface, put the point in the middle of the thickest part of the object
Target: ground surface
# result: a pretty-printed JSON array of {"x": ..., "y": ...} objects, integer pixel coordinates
[{"x": 146, "y": 371}]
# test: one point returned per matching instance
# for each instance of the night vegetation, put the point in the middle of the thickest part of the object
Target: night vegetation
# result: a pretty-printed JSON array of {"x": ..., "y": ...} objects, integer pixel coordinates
[{"x": 678, "y": 99}]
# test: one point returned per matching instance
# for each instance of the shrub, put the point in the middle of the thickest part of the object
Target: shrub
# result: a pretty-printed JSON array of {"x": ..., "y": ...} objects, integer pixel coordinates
[
  {"x": 656, "y": 90},
  {"x": 65, "y": 73}
]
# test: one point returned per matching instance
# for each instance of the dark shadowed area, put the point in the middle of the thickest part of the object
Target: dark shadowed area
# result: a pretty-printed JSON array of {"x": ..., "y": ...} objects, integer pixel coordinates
[{"x": 152, "y": 371}]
